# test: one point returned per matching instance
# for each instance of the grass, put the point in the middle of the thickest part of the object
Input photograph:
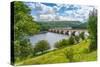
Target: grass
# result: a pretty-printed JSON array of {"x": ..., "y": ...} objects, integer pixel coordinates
[{"x": 81, "y": 54}]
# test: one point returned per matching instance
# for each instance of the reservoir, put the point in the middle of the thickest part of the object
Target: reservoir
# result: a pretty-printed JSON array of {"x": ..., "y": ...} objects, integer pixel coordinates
[{"x": 52, "y": 38}]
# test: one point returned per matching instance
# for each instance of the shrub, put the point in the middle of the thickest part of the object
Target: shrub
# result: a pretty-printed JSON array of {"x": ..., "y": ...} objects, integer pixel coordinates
[
  {"x": 26, "y": 48},
  {"x": 77, "y": 39},
  {"x": 58, "y": 45},
  {"x": 41, "y": 46},
  {"x": 69, "y": 54},
  {"x": 22, "y": 49},
  {"x": 82, "y": 36},
  {"x": 64, "y": 42},
  {"x": 71, "y": 40},
  {"x": 93, "y": 45},
  {"x": 61, "y": 43}
]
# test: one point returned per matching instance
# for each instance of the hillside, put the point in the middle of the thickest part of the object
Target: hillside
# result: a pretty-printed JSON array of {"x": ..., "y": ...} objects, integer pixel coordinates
[
  {"x": 62, "y": 24},
  {"x": 81, "y": 26},
  {"x": 81, "y": 54}
]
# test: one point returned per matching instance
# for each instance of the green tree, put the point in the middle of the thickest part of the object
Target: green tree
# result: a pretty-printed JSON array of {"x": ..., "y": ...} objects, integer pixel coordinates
[
  {"x": 16, "y": 49},
  {"x": 92, "y": 28},
  {"x": 61, "y": 43},
  {"x": 22, "y": 49},
  {"x": 82, "y": 36},
  {"x": 25, "y": 49},
  {"x": 24, "y": 26},
  {"x": 41, "y": 46},
  {"x": 71, "y": 40},
  {"x": 64, "y": 42},
  {"x": 58, "y": 45},
  {"x": 77, "y": 39},
  {"x": 23, "y": 21}
]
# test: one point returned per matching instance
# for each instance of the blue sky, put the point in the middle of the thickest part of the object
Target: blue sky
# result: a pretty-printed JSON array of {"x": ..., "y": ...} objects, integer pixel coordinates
[{"x": 59, "y": 12}]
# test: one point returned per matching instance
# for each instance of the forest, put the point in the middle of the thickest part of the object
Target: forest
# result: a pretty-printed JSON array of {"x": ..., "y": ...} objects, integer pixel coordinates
[{"x": 62, "y": 24}]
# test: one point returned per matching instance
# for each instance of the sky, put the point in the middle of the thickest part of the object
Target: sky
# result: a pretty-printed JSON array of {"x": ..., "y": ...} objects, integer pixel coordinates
[{"x": 59, "y": 12}]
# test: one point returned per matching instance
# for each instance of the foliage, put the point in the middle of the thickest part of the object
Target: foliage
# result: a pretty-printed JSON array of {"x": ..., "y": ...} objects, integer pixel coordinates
[
  {"x": 69, "y": 54},
  {"x": 58, "y": 45},
  {"x": 59, "y": 56},
  {"x": 22, "y": 49},
  {"x": 93, "y": 45},
  {"x": 77, "y": 39},
  {"x": 92, "y": 28},
  {"x": 41, "y": 46},
  {"x": 81, "y": 26},
  {"x": 71, "y": 40},
  {"x": 23, "y": 26},
  {"x": 82, "y": 36},
  {"x": 62, "y": 24},
  {"x": 26, "y": 48},
  {"x": 16, "y": 49},
  {"x": 23, "y": 21},
  {"x": 61, "y": 43}
]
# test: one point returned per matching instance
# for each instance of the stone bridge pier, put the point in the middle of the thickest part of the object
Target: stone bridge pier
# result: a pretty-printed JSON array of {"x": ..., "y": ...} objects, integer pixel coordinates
[{"x": 68, "y": 31}]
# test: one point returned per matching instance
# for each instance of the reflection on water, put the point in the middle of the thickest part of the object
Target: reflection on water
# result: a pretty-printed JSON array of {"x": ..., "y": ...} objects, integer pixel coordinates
[{"x": 52, "y": 38}]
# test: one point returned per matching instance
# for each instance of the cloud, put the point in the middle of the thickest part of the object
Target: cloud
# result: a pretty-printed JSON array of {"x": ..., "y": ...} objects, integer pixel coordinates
[
  {"x": 43, "y": 9},
  {"x": 30, "y": 4},
  {"x": 60, "y": 12},
  {"x": 83, "y": 13},
  {"x": 66, "y": 18},
  {"x": 47, "y": 17}
]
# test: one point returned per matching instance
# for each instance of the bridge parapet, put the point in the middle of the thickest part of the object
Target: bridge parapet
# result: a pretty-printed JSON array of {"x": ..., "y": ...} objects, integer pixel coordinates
[{"x": 68, "y": 31}]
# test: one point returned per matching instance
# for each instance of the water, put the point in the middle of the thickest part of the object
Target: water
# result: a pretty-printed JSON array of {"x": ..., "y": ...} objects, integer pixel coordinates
[{"x": 52, "y": 38}]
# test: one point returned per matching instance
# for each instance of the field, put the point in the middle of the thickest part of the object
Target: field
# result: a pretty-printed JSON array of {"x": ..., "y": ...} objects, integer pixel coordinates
[{"x": 80, "y": 54}]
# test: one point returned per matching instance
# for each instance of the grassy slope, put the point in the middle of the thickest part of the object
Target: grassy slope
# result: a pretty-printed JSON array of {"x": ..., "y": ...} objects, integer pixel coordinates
[{"x": 58, "y": 56}]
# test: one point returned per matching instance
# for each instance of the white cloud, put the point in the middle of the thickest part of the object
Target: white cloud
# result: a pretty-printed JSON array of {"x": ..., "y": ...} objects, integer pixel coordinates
[
  {"x": 48, "y": 13},
  {"x": 47, "y": 17},
  {"x": 44, "y": 9},
  {"x": 83, "y": 12},
  {"x": 50, "y": 17},
  {"x": 80, "y": 14},
  {"x": 31, "y": 5},
  {"x": 66, "y": 18}
]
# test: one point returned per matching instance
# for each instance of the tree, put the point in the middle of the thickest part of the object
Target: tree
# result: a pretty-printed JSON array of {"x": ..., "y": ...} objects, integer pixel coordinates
[
  {"x": 64, "y": 42},
  {"x": 24, "y": 26},
  {"x": 41, "y": 46},
  {"x": 92, "y": 28},
  {"x": 22, "y": 49},
  {"x": 23, "y": 21},
  {"x": 61, "y": 43},
  {"x": 71, "y": 40},
  {"x": 82, "y": 36},
  {"x": 16, "y": 50},
  {"x": 26, "y": 48},
  {"x": 77, "y": 39},
  {"x": 58, "y": 45}
]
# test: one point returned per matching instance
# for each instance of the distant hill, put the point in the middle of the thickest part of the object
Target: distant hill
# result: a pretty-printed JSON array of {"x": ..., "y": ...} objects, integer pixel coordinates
[
  {"x": 81, "y": 26},
  {"x": 61, "y": 24}
]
